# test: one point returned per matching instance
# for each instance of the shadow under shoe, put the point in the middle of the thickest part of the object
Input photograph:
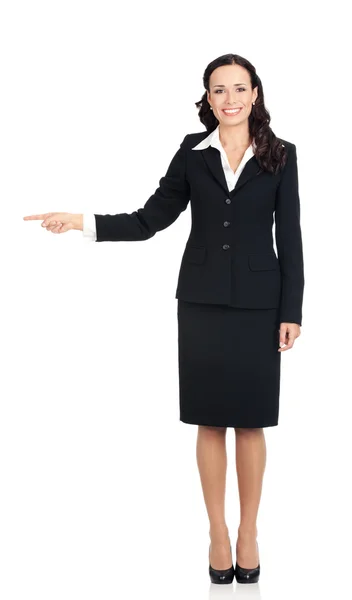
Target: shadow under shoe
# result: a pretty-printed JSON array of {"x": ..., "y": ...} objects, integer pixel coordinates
[{"x": 221, "y": 576}]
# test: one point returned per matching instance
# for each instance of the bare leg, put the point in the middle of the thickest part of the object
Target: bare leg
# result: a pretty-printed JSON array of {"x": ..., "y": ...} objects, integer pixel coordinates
[
  {"x": 212, "y": 464},
  {"x": 250, "y": 464}
]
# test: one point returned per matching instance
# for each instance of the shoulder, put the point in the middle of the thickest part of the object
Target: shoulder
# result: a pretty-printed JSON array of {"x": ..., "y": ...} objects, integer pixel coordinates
[
  {"x": 291, "y": 155},
  {"x": 192, "y": 139},
  {"x": 288, "y": 145}
]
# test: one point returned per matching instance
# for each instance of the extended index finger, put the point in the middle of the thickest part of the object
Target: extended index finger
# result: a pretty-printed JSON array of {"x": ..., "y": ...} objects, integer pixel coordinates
[{"x": 39, "y": 217}]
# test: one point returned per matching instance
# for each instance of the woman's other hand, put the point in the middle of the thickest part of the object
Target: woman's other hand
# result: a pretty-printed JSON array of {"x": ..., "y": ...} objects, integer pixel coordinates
[
  {"x": 288, "y": 333},
  {"x": 57, "y": 222}
]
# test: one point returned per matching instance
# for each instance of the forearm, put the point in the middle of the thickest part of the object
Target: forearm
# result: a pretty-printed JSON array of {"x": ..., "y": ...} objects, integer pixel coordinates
[{"x": 160, "y": 210}]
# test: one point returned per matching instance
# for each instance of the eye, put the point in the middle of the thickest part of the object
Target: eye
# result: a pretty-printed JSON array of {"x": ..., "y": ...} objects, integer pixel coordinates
[{"x": 240, "y": 88}]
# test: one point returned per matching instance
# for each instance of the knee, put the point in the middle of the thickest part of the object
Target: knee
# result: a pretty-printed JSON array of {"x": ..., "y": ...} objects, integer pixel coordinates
[
  {"x": 210, "y": 429},
  {"x": 248, "y": 430}
]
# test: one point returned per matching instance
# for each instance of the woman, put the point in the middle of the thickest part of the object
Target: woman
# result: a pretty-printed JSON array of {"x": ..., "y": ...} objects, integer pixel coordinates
[{"x": 239, "y": 305}]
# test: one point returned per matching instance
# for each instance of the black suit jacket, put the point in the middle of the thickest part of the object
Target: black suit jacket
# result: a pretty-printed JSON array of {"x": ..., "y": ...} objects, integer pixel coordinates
[{"x": 229, "y": 256}]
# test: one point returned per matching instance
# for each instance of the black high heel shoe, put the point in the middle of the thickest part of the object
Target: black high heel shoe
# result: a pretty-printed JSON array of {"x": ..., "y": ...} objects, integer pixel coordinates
[
  {"x": 221, "y": 575},
  {"x": 247, "y": 575}
]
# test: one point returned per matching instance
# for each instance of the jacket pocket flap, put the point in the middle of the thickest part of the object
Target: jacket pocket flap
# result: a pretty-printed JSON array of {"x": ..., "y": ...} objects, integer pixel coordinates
[{"x": 263, "y": 262}]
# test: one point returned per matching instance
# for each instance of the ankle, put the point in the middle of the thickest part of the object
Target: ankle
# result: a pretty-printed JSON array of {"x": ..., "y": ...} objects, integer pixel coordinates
[
  {"x": 247, "y": 531},
  {"x": 218, "y": 531}
]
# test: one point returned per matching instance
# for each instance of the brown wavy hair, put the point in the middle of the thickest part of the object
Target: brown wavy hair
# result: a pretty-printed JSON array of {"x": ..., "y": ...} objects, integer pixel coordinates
[{"x": 270, "y": 153}]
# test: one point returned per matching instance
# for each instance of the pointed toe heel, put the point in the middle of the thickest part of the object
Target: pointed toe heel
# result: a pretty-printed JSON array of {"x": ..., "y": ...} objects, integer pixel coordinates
[
  {"x": 247, "y": 575},
  {"x": 222, "y": 576}
]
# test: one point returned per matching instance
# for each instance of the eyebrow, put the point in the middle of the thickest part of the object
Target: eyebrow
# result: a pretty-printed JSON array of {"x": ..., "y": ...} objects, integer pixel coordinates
[{"x": 233, "y": 84}]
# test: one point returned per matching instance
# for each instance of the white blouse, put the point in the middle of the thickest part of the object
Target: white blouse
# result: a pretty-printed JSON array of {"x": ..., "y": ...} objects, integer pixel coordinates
[{"x": 213, "y": 139}]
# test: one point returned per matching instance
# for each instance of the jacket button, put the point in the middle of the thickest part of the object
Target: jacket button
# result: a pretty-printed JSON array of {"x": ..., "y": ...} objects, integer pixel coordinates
[
  {"x": 228, "y": 200},
  {"x": 226, "y": 223},
  {"x": 226, "y": 246}
]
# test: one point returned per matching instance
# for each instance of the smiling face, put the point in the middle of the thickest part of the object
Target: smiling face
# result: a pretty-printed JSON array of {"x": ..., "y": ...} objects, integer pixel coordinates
[{"x": 230, "y": 87}]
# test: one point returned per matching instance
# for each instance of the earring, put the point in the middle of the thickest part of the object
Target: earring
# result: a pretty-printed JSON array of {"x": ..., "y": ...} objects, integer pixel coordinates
[
  {"x": 211, "y": 108},
  {"x": 253, "y": 103}
]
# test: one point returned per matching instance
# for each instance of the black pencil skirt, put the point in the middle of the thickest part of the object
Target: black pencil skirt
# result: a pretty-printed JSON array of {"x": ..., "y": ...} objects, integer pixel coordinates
[{"x": 229, "y": 365}]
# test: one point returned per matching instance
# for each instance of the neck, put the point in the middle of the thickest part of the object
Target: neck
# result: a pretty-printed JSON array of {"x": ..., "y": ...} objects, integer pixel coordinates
[{"x": 234, "y": 137}]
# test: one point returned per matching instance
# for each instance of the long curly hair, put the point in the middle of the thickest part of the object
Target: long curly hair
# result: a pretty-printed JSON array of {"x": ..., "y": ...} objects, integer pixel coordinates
[{"x": 270, "y": 153}]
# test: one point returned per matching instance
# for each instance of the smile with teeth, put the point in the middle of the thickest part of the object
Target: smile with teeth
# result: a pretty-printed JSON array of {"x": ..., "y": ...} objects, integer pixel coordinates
[{"x": 231, "y": 111}]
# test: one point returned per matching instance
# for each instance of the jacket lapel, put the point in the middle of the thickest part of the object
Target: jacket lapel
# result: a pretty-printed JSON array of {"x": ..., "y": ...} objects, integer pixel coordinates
[{"x": 213, "y": 161}]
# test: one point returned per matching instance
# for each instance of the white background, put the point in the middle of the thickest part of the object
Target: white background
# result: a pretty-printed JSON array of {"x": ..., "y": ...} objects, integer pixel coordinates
[{"x": 100, "y": 493}]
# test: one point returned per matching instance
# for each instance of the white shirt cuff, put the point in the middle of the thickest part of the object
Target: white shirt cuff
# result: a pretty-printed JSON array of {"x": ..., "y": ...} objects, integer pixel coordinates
[{"x": 89, "y": 227}]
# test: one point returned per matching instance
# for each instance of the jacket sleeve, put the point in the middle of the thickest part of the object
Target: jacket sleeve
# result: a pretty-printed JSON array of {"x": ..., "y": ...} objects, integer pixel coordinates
[
  {"x": 161, "y": 209},
  {"x": 289, "y": 241}
]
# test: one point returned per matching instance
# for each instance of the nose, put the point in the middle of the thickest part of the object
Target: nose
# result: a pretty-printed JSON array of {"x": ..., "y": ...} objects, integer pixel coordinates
[{"x": 231, "y": 99}]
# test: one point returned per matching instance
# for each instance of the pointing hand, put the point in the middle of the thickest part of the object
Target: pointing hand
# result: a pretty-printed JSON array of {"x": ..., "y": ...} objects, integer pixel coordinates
[{"x": 58, "y": 222}]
